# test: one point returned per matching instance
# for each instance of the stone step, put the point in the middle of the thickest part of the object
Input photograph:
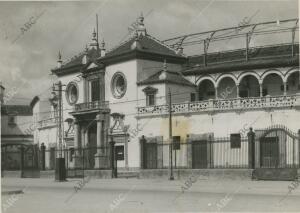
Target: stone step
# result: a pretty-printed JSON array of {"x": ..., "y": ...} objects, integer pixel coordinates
[
  {"x": 288, "y": 174},
  {"x": 127, "y": 174}
]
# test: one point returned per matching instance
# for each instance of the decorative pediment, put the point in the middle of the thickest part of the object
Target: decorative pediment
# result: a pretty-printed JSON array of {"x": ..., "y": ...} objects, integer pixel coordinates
[
  {"x": 150, "y": 89},
  {"x": 91, "y": 66},
  {"x": 118, "y": 126}
]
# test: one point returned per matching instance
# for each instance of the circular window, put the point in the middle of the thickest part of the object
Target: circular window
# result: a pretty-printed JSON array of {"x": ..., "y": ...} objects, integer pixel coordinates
[
  {"x": 118, "y": 85},
  {"x": 72, "y": 93}
]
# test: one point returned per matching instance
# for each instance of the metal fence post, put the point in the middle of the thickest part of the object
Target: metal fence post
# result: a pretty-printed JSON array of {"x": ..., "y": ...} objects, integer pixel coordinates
[
  {"x": 43, "y": 159},
  {"x": 112, "y": 159},
  {"x": 299, "y": 147},
  {"x": 142, "y": 143},
  {"x": 22, "y": 160},
  {"x": 251, "y": 148}
]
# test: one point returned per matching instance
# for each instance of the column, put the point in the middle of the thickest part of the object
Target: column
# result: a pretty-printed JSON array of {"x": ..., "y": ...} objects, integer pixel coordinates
[
  {"x": 261, "y": 89},
  {"x": 100, "y": 157},
  {"x": 237, "y": 90},
  {"x": 76, "y": 135},
  {"x": 77, "y": 154},
  {"x": 284, "y": 88},
  {"x": 100, "y": 141},
  {"x": 216, "y": 92}
]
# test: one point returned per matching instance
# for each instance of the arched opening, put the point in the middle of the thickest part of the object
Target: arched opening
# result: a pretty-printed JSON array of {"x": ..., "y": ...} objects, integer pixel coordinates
[
  {"x": 293, "y": 84},
  {"x": 273, "y": 85},
  {"x": 206, "y": 90},
  {"x": 249, "y": 87},
  {"x": 227, "y": 88}
]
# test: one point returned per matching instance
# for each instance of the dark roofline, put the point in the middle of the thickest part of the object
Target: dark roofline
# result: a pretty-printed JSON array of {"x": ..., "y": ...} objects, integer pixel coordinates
[
  {"x": 140, "y": 54},
  {"x": 67, "y": 70},
  {"x": 4, "y": 110},
  {"x": 279, "y": 61},
  {"x": 149, "y": 82},
  {"x": 164, "y": 81}
]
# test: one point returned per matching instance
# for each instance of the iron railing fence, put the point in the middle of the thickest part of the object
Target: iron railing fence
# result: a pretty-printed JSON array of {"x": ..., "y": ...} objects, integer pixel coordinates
[
  {"x": 87, "y": 158},
  {"x": 275, "y": 147},
  {"x": 220, "y": 153},
  {"x": 216, "y": 153}
]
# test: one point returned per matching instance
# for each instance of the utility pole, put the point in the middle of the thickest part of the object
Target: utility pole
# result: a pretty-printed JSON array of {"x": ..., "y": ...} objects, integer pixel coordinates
[
  {"x": 60, "y": 168},
  {"x": 170, "y": 136}
]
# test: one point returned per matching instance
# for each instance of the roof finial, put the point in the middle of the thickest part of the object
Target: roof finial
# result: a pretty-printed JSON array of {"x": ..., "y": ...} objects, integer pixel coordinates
[
  {"x": 94, "y": 33},
  {"x": 136, "y": 44},
  {"x": 102, "y": 48},
  {"x": 94, "y": 42},
  {"x": 59, "y": 56},
  {"x": 165, "y": 66},
  {"x": 59, "y": 61},
  {"x": 141, "y": 18},
  {"x": 102, "y": 45},
  {"x": 141, "y": 29}
]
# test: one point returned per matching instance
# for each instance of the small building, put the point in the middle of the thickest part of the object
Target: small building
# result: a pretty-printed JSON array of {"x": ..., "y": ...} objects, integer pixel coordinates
[{"x": 16, "y": 131}]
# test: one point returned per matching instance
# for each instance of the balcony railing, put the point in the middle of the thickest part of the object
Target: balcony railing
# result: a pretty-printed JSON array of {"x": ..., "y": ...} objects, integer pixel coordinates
[
  {"x": 224, "y": 104},
  {"x": 94, "y": 105},
  {"x": 47, "y": 122}
]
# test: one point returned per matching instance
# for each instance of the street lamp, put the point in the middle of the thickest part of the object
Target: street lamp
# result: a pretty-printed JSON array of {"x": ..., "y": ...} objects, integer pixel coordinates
[{"x": 56, "y": 101}]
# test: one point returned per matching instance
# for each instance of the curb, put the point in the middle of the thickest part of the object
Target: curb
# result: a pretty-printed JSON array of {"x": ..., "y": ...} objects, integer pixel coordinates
[{"x": 12, "y": 192}]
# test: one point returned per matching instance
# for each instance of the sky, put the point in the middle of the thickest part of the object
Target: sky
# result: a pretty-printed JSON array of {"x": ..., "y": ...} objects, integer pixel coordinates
[{"x": 28, "y": 52}]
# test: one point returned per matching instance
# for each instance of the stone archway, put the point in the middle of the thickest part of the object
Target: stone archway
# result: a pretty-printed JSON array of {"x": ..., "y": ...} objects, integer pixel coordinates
[
  {"x": 273, "y": 85},
  {"x": 249, "y": 87},
  {"x": 206, "y": 90},
  {"x": 293, "y": 83}
]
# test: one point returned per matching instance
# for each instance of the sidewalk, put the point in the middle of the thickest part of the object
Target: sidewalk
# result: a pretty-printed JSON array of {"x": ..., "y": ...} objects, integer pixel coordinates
[{"x": 209, "y": 186}]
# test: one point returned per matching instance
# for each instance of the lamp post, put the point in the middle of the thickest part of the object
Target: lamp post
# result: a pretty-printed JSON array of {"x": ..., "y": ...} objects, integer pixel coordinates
[
  {"x": 60, "y": 167},
  {"x": 170, "y": 136}
]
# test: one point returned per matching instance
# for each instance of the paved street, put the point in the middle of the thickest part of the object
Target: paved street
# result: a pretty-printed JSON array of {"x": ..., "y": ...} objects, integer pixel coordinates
[{"x": 132, "y": 195}]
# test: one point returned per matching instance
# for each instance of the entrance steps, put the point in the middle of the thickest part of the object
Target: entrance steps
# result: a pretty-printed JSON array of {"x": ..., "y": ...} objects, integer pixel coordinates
[
  {"x": 128, "y": 174},
  {"x": 287, "y": 174}
]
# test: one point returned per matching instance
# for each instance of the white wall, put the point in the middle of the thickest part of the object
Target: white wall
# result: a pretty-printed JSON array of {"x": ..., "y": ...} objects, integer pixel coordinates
[
  {"x": 23, "y": 124},
  {"x": 67, "y": 108}
]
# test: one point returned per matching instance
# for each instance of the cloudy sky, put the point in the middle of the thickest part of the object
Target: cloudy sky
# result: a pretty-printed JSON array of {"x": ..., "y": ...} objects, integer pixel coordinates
[{"x": 26, "y": 57}]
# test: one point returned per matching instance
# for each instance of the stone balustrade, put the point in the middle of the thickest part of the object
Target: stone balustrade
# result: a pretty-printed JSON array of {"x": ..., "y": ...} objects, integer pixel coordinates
[
  {"x": 47, "y": 123},
  {"x": 91, "y": 105},
  {"x": 213, "y": 105}
]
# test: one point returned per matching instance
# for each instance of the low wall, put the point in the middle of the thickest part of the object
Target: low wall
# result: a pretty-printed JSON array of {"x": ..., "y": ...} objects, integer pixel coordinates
[
  {"x": 14, "y": 174},
  {"x": 205, "y": 174}
]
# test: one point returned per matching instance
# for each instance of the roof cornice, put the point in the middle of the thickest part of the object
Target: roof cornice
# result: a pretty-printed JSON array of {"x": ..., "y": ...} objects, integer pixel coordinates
[
  {"x": 140, "y": 54},
  {"x": 244, "y": 65}
]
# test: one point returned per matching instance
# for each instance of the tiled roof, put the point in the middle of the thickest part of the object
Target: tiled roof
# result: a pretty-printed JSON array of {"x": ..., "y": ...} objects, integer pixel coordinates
[
  {"x": 239, "y": 54},
  {"x": 170, "y": 77},
  {"x": 258, "y": 58},
  {"x": 148, "y": 44},
  {"x": 16, "y": 110},
  {"x": 92, "y": 54}
]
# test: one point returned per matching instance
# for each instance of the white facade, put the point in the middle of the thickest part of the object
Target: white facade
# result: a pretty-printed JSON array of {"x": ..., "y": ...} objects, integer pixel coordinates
[{"x": 206, "y": 104}]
